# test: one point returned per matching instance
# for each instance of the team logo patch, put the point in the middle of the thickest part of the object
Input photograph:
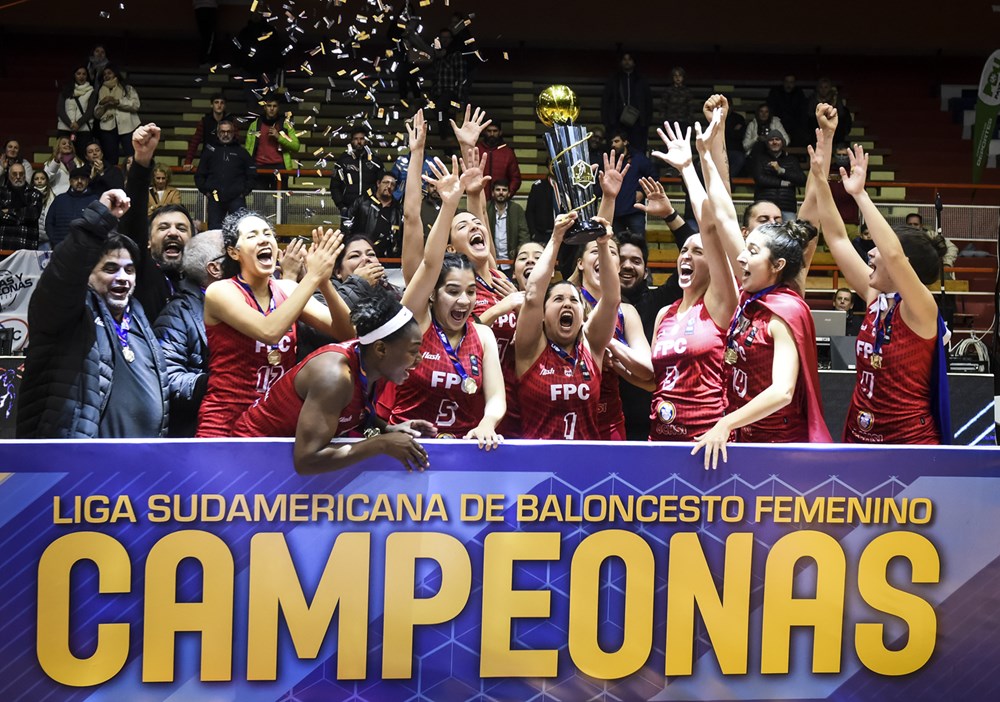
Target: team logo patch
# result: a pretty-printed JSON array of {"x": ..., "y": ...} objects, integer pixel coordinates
[
  {"x": 666, "y": 412},
  {"x": 866, "y": 420},
  {"x": 441, "y": 435}
]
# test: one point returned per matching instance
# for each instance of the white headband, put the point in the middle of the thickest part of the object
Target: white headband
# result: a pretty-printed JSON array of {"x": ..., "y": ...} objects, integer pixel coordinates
[{"x": 402, "y": 317}]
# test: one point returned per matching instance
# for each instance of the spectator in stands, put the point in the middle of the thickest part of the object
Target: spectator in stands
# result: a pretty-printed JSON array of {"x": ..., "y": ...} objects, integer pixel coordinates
[
  {"x": 226, "y": 175},
  {"x": 75, "y": 108},
  {"x": 12, "y": 155},
  {"x": 207, "y": 130},
  {"x": 915, "y": 220},
  {"x": 863, "y": 243},
  {"x": 117, "y": 109},
  {"x": 540, "y": 208},
  {"x": 162, "y": 193},
  {"x": 103, "y": 175},
  {"x": 64, "y": 160},
  {"x": 430, "y": 205},
  {"x": 736, "y": 127},
  {"x": 450, "y": 79},
  {"x": 380, "y": 218},
  {"x": 827, "y": 93},
  {"x": 627, "y": 103},
  {"x": 759, "y": 129},
  {"x": 357, "y": 271},
  {"x": 627, "y": 215},
  {"x": 356, "y": 172},
  {"x": 96, "y": 64},
  {"x": 68, "y": 206},
  {"x": 399, "y": 171},
  {"x": 40, "y": 182},
  {"x": 776, "y": 174},
  {"x": 271, "y": 141},
  {"x": 180, "y": 329},
  {"x": 597, "y": 145},
  {"x": 507, "y": 222},
  {"x": 757, "y": 213},
  {"x": 843, "y": 300},
  {"x": 846, "y": 205},
  {"x": 501, "y": 161},
  {"x": 94, "y": 369},
  {"x": 788, "y": 102},
  {"x": 679, "y": 104},
  {"x": 20, "y": 206}
]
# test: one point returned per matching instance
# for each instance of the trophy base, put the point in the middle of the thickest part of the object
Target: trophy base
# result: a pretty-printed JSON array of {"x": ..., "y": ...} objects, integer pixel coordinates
[{"x": 583, "y": 232}]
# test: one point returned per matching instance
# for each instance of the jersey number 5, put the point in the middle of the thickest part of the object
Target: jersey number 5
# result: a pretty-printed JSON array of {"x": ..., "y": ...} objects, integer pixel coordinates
[{"x": 446, "y": 413}]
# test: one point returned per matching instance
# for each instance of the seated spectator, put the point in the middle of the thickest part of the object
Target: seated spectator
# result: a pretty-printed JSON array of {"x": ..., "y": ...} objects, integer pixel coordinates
[
  {"x": 161, "y": 193},
  {"x": 863, "y": 243},
  {"x": 12, "y": 155},
  {"x": 104, "y": 175},
  {"x": 75, "y": 108},
  {"x": 776, "y": 174},
  {"x": 357, "y": 271},
  {"x": 759, "y": 129},
  {"x": 501, "y": 161},
  {"x": 94, "y": 369},
  {"x": 788, "y": 102},
  {"x": 20, "y": 206},
  {"x": 64, "y": 160},
  {"x": 507, "y": 223},
  {"x": 915, "y": 220},
  {"x": 627, "y": 215},
  {"x": 180, "y": 329},
  {"x": 827, "y": 93},
  {"x": 226, "y": 175},
  {"x": 843, "y": 300},
  {"x": 679, "y": 104},
  {"x": 206, "y": 131},
  {"x": 356, "y": 172},
  {"x": 846, "y": 205},
  {"x": 69, "y": 206},
  {"x": 117, "y": 109},
  {"x": 40, "y": 182},
  {"x": 380, "y": 218},
  {"x": 271, "y": 141}
]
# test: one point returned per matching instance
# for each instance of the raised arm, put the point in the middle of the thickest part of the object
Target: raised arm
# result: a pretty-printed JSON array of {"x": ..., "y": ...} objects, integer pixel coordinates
[
  {"x": 718, "y": 146},
  {"x": 419, "y": 289},
  {"x": 600, "y": 327},
  {"x": 334, "y": 316},
  {"x": 611, "y": 177},
  {"x": 720, "y": 202},
  {"x": 413, "y": 226},
  {"x": 920, "y": 311},
  {"x": 678, "y": 155},
  {"x": 529, "y": 341},
  {"x": 472, "y": 126}
]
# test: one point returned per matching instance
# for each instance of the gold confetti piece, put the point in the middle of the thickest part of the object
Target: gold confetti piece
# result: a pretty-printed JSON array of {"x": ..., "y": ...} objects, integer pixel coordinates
[
  {"x": 470, "y": 40},
  {"x": 456, "y": 105},
  {"x": 318, "y": 151},
  {"x": 341, "y": 72},
  {"x": 404, "y": 103},
  {"x": 263, "y": 37},
  {"x": 415, "y": 69},
  {"x": 215, "y": 195},
  {"x": 253, "y": 6},
  {"x": 505, "y": 56},
  {"x": 380, "y": 113}
]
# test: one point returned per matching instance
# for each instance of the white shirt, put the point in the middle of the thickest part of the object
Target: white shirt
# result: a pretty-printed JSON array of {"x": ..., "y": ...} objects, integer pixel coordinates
[{"x": 500, "y": 235}]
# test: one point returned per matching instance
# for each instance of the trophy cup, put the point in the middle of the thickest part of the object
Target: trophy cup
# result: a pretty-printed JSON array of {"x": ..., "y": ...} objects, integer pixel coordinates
[{"x": 574, "y": 178}]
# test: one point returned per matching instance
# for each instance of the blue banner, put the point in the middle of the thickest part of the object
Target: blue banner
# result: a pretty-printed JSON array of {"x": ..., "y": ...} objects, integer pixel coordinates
[{"x": 210, "y": 570}]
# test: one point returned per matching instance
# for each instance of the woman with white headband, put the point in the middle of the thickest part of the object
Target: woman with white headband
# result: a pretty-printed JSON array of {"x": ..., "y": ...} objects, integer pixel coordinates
[{"x": 333, "y": 392}]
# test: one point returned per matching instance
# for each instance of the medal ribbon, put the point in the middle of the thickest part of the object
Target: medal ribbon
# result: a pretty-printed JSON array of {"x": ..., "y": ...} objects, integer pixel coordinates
[
  {"x": 883, "y": 327},
  {"x": 122, "y": 329},
  {"x": 486, "y": 285},
  {"x": 572, "y": 359},
  {"x": 452, "y": 353},
  {"x": 730, "y": 336},
  {"x": 370, "y": 396},
  {"x": 619, "y": 327}
]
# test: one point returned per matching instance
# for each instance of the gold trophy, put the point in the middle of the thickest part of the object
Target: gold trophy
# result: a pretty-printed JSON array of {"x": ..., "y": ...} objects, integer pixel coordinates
[{"x": 558, "y": 108}]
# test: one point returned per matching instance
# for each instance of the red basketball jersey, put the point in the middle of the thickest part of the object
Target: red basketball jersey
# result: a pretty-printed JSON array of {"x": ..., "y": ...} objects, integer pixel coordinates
[
  {"x": 276, "y": 413},
  {"x": 892, "y": 404},
  {"x": 238, "y": 369},
  {"x": 558, "y": 401},
  {"x": 503, "y": 328},
  {"x": 687, "y": 366},
  {"x": 434, "y": 390},
  {"x": 486, "y": 294}
]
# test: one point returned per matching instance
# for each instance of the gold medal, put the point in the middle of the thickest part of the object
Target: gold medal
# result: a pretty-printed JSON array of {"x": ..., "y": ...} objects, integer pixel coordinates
[
  {"x": 274, "y": 357},
  {"x": 469, "y": 386},
  {"x": 129, "y": 354},
  {"x": 730, "y": 356},
  {"x": 877, "y": 361}
]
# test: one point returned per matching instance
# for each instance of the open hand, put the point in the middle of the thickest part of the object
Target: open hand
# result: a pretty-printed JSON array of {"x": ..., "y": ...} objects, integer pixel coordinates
[
  {"x": 416, "y": 128},
  {"x": 448, "y": 185},
  {"x": 657, "y": 203},
  {"x": 854, "y": 182},
  {"x": 468, "y": 134},
  {"x": 613, "y": 174},
  {"x": 678, "y": 145}
]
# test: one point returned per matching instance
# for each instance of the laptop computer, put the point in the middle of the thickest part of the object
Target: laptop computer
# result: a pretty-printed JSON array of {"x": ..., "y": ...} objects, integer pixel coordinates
[{"x": 829, "y": 323}]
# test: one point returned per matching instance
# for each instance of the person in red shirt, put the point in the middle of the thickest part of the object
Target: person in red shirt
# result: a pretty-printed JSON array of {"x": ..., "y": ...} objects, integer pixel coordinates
[
  {"x": 250, "y": 318},
  {"x": 332, "y": 392},
  {"x": 501, "y": 161},
  {"x": 559, "y": 349},
  {"x": 459, "y": 387},
  {"x": 901, "y": 394}
]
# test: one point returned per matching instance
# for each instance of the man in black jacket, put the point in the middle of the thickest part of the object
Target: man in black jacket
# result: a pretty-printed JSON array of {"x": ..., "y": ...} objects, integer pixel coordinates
[
  {"x": 20, "y": 206},
  {"x": 69, "y": 206},
  {"x": 207, "y": 130},
  {"x": 225, "y": 175},
  {"x": 94, "y": 368},
  {"x": 180, "y": 329},
  {"x": 776, "y": 174},
  {"x": 356, "y": 172},
  {"x": 380, "y": 218}
]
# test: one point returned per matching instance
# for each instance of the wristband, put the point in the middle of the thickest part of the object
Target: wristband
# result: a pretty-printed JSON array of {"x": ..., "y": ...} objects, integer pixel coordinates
[{"x": 671, "y": 217}]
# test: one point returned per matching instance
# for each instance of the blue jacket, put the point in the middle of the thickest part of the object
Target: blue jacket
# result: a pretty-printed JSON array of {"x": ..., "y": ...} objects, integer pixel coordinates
[
  {"x": 69, "y": 370},
  {"x": 180, "y": 329},
  {"x": 63, "y": 210}
]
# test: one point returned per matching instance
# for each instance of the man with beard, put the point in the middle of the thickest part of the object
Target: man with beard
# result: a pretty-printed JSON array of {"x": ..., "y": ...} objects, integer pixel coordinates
[
  {"x": 379, "y": 218},
  {"x": 207, "y": 131},
  {"x": 507, "y": 223},
  {"x": 501, "y": 161},
  {"x": 69, "y": 206},
  {"x": 429, "y": 207},
  {"x": 356, "y": 172},
  {"x": 94, "y": 368},
  {"x": 272, "y": 142},
  {"x": 20, "y": 207},
  {"x": 225, "y": 176}
]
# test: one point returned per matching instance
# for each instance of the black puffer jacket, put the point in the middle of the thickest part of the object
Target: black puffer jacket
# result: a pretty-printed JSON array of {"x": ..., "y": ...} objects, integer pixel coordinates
[
  {"x": 180, "y": 329},
  {"x": 70, "y": 367}
]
